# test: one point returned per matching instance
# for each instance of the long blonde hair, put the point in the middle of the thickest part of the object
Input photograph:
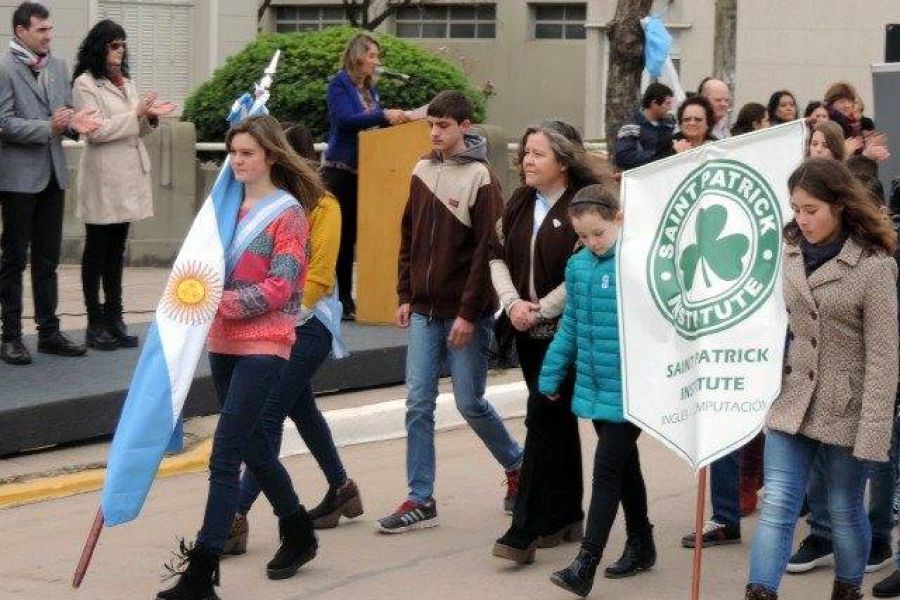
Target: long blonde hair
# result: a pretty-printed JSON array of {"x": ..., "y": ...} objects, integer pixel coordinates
[
  {"x": 355, "y": 53},
  {"x": 290, "y": 171}
]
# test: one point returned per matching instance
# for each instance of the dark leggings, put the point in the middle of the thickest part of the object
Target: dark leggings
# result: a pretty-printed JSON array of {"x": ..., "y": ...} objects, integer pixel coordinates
[
  {"x": 343, "y": 185},
  {"x": 102, "y": 261},
  {"x": 551, "y": 480},
  {"x": 617, "y": 478}
]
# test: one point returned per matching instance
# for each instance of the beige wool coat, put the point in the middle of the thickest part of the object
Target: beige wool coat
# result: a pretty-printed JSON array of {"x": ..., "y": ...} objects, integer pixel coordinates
[
  {"x": 114, "y": 175},
  {"x": 840, "y": 369}
]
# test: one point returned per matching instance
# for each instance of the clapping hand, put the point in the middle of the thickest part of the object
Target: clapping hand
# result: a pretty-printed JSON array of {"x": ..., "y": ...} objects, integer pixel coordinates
[
  {"x": 85, "y": 121},
  {"x": 681, "y": 145},
  {"x": 161, "y": 109},
  {"x": 60, "y": 120}
]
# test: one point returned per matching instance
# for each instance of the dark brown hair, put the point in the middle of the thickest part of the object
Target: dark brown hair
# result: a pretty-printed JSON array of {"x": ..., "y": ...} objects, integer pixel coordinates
[
  {"x": 831, "y": 182},
  {"x": 595, "y": 198},
  {"x": 749, "y": 114},
  {"x": 290, "y": 171},
  {"x": 703, "y": 103},
  {"x": 300, "y": 138},
  {"x": 452, "y": 104},
  {"x": 834, "y": 139},
  {"x": 840, "y": 91}
]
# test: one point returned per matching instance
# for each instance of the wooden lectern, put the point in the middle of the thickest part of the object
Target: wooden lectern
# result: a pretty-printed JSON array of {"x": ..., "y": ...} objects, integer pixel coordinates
[{"x": 386, "y": 160}]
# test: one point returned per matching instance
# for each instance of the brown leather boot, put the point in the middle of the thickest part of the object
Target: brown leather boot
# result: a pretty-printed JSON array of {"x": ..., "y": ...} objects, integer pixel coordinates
[
  {"x": 236, "y": 544},
  {"x": 757, "y": 592},
  {"x": 845, "y": 591}
]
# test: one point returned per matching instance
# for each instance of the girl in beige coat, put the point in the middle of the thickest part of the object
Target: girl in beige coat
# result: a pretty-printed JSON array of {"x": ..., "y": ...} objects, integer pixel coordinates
[
  {"x": 113, "y": 186},
  {"x": 840, "y": 372}
]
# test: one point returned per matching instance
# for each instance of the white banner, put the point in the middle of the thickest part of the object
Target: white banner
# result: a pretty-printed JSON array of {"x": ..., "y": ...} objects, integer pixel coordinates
[{"x": 701, "y": 314}]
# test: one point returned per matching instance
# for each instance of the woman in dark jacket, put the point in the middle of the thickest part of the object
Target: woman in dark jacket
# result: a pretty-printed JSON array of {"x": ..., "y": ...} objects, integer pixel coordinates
[
  {"x": 353, "y": 105},
  {"x": 528, "y": 260}
]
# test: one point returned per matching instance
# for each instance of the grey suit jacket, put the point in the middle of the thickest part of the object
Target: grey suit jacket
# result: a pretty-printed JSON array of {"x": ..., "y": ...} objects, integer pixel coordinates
[{"x": 29, "y": 151}]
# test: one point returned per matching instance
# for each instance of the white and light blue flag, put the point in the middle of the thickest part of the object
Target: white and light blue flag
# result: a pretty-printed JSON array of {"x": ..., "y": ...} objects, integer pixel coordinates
[{"x": 150, "y": 420}]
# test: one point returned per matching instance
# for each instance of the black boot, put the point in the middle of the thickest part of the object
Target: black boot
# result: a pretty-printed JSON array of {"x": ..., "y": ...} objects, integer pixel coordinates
[
  {"x": 198, "y": 571},
  {"x": 758, "y": 592},
  {"x": 298, "y": 546},
  {"x": 338, "y": 501},
  {"x": 639, "y": 555},
  {"x": 578, "y": 577},
  {"x": 845, "y": 591},
  {"x": 889, "y": 587},
  {"x": 96, "y": 335},
  {"x": 116, "y": 326}
]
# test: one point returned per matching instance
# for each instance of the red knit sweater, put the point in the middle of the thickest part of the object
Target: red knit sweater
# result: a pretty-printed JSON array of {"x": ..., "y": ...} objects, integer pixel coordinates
[{"x": 261, "y": 300}]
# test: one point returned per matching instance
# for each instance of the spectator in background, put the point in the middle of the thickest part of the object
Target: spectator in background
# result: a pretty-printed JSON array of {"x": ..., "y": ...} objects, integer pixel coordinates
[
  {"x": 35, "y": 114},
  {"x": 827, "y": 141},
  {"x": 782, "y": 107},
  {"x": 719, "y": 96},
  {"x": 648, "y": 136},
  {"x": 695, "y": 116},
  {"x": 815, "y": 113},
  {"x": 840, "y": 98},
  {"x": 114, "y": 186},
  {"x": 353, "y": 105},
  {"x": 751, "y": 117}
]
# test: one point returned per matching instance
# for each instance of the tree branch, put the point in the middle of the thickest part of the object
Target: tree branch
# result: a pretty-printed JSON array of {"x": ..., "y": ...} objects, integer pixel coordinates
[
  {"x": 390, "y": 9},
  {"x": 261, "y": 11}
]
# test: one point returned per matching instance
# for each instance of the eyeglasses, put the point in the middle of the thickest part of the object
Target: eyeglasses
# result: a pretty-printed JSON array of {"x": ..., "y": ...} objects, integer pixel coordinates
[
  {"x": 692, "y": 119},
  {"x": 115, "y": 46}
]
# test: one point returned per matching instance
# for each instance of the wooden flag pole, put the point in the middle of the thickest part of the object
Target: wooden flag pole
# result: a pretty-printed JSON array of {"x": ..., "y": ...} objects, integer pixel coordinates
[
  {"x": 698, "y": 533},
  {"x": 89, "y": 544}
]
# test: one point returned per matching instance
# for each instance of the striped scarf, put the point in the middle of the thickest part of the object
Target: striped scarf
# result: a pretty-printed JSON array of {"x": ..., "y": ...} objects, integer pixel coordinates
[{"x": 23, "y": 54}]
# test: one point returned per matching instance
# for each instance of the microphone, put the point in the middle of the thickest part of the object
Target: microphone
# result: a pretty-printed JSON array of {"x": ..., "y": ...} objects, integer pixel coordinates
[{"x": 385, "y": 72}]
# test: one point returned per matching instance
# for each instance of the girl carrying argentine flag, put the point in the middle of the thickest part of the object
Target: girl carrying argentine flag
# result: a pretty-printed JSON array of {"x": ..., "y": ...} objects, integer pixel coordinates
[{"x": 249, "y": 343}]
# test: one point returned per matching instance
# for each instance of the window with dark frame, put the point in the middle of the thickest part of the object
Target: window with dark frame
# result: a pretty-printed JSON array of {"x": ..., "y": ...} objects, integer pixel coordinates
[
  {"x": 290, "y": 19},
  {"x": 558, "y": 21},
  {"x": 453, "y": 21}
]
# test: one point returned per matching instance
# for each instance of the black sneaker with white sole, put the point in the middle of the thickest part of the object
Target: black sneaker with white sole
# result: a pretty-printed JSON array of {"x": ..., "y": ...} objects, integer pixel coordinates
[
  {"x": 408, "y": 516},
  {"x": 814, "y": 551},
  {"x": 880, "y": 555}
]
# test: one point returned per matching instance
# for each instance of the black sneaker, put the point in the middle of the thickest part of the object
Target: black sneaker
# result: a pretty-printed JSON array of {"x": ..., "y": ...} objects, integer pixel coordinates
[
  {"x": 880, "y": 555},
  {"x": 888, "y": 587},
  {"x": 408, "y": 516},
  {"x": 59, "y": 344},
  {"x": 714, "y": 534},
  {"x": 814, "y": 551}
]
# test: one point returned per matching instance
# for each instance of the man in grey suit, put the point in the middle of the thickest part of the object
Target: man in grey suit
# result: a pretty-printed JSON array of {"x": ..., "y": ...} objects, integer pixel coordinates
[{"x": 35, "y": 115}]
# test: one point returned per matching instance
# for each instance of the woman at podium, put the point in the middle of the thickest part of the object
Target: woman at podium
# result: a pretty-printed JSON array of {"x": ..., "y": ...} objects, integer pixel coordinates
[{"x": 353, "y": 106}]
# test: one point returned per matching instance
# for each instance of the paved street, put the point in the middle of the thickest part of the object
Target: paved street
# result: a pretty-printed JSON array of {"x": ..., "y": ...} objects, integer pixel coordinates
[{"x": 41, "y": 542}]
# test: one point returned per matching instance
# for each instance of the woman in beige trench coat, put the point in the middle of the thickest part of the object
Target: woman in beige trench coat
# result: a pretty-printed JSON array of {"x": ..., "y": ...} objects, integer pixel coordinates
[{"x": 114, "y": 187}]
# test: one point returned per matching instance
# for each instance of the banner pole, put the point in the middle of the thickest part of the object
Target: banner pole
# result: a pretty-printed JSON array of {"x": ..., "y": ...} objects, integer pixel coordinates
[
  {"x": 698, "y": 533},
  {"x": 88, "y": 552}
]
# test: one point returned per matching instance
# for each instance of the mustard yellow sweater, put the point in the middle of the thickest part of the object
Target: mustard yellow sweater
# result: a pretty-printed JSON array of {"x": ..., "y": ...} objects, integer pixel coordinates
[{"x": 324, "y": 241}]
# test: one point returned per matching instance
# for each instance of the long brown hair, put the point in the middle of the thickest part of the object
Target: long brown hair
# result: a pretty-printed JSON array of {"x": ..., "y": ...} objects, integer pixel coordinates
[
  {"x": 831, "y": 182},
  {"x": 834, "y": 139},
  {"x": 290, "y": 171},
  {"x": 568, "y": 149},
  {"x": 355, "y": 53}
]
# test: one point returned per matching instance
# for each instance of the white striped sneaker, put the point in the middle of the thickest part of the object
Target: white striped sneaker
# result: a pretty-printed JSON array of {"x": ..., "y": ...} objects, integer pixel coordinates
[{"x": 408, "y": 516}]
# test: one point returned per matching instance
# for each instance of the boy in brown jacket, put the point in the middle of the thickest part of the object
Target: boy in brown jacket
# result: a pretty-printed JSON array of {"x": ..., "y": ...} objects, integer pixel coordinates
[{"x": 447, "y": 301}]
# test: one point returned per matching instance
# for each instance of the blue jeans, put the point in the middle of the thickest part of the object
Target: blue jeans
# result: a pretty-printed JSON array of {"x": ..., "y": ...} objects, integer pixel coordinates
[
  {"x": 425, "y": 355},
  {"x": 293, "y": 397},
  {"x": 242, "y": 385},
  {"x": 725, "y": 490},
  {"x": 882, "y": 480},
  {"x": 788, "y": 462}
]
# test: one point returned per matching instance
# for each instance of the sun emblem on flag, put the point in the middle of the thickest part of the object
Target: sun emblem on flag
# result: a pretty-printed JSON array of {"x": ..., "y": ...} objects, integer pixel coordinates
[{"x": 192, "y": 293}]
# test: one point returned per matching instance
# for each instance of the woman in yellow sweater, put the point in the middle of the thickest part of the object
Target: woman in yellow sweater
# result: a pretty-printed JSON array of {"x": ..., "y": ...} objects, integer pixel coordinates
[{"x": 318, "y": 335}]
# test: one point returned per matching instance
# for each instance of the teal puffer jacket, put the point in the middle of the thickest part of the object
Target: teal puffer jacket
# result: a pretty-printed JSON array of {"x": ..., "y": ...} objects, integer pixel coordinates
[{"x": 588, "y": 336}]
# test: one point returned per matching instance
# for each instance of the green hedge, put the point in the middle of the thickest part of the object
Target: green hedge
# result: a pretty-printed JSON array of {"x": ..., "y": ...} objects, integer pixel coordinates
[{"x": 307, "y": 62}]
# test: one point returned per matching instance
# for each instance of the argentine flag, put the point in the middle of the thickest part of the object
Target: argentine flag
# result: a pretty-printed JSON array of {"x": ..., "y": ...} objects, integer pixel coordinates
[{"x": 150, "y": 419}]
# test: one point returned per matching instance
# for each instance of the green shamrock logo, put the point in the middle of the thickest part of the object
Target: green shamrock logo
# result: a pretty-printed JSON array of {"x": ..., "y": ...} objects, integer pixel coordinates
[{"x": 722, "y": 255}]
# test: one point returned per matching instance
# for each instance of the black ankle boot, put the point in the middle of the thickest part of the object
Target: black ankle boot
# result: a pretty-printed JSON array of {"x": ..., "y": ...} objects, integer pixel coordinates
[
  {"x": 119, "y": 331},
  {"x": 198, "y": 571},
  {"x": 578, "y": 577},
  {"x": 298, "y": 546},
  {"x": 639, "y": 555},
  {"x": 845, "y": 591},
  {"x": 338, "y": 501},
  {"x": 97, "y": 337},
  {"x": 757, "y": 592}
]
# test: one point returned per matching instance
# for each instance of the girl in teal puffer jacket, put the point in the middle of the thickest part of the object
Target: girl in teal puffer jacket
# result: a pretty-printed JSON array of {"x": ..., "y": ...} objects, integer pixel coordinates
[{"x": 588, "y": 337}]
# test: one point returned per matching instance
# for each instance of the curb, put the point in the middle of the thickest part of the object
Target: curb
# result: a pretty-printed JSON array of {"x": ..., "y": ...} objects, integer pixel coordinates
[
  {"x": 70, "y": 484},
  {"x": 350, "y": 426}
]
